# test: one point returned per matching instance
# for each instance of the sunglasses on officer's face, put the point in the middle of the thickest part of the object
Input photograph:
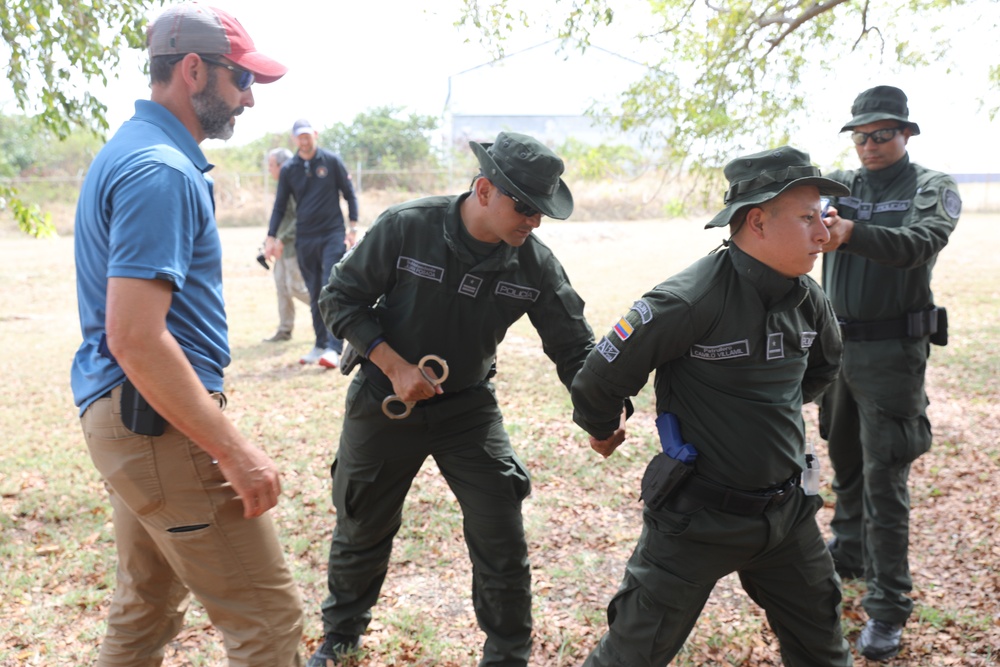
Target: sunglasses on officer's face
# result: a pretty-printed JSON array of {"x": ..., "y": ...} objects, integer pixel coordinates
[
  {"x": 878, "y": 136},
  {"x": 520, "y": 207},
  {"x": 243, "y": 80}
]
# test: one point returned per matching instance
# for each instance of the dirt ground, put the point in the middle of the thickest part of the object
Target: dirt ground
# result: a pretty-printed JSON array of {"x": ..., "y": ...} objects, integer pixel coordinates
[{"x": 582, "y": 518}]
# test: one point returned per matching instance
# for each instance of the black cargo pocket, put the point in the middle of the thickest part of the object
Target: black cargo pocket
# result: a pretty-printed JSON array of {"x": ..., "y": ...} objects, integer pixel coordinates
[{"x": 353, "y": 489}]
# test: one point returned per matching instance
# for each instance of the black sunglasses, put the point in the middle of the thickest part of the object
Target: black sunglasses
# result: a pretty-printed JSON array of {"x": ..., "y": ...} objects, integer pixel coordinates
[
  {"x": 878, "y": 136},
  {"x": 519, "y": 206},
  {"x": 244, "y": 78}
]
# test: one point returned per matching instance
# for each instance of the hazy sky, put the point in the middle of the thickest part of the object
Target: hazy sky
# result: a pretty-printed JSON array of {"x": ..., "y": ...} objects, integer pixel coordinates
[{"x": 347, "y": 57}]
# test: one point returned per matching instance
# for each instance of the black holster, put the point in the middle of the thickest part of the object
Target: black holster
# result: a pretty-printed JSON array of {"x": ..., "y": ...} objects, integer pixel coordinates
[
  {"x": 663, "y": 477},
  {"x": 138, "y": 415}
]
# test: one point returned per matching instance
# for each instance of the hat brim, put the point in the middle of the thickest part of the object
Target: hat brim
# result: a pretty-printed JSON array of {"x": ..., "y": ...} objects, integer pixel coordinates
[
  {"x": 265, "y": 70},
  {"x": 557, "y": 206},
  {"x": 875, "y": 116},
  {"x": 827, "y": 187}
]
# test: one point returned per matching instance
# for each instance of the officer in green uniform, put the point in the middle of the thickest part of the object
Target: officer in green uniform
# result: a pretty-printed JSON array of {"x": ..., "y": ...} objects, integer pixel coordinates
[
  {"x": 738, "y": 341},
  {"x": 884, "y": 240},
  {"x": 447, "y": 276}
]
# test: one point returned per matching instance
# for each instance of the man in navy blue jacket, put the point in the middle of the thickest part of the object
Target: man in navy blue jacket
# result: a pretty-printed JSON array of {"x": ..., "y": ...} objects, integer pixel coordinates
[{"x": 316, "y": 178}]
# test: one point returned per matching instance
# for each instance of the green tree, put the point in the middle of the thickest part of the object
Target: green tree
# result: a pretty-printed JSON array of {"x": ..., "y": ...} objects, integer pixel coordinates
[
  {"x": 384, "y": 139},
  {"x": 18, "y": 148},
  {"x": 724, "y": 73},
  {"x": 57, "y": 48}
]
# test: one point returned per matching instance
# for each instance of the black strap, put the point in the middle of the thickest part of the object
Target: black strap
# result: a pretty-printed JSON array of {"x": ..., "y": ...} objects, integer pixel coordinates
[
  {"x": 912, "y": 325},
  {"x": 701, "y": 491}
]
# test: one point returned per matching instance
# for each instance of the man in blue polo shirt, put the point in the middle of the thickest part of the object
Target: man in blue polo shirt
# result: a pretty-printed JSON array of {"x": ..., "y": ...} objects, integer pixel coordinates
[{"x": 189, "y": 492}]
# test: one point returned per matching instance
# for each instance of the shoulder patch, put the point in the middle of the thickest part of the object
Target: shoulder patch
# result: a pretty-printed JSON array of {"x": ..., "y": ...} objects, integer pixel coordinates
[
  {"x": 952, "y": 203},
  {"x": 623, "y": 329},
  {"x": 645, "y": 312},
  {"x": 607, "y": 350}
]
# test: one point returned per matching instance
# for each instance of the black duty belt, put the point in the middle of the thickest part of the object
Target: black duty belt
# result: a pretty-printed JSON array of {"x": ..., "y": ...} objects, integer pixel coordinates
[
  {"x": 703, "y": 492},
  {"x": 911, "y": 325}
]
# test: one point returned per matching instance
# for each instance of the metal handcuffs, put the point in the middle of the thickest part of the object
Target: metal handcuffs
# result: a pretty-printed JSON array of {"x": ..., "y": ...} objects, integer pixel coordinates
[{"x": 408, "y": 405}]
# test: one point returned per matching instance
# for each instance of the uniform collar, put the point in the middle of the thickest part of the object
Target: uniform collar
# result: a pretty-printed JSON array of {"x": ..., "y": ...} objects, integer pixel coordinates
[
  {"x": 883, "y": 177},
  {"x": 774, "y": 289},
  {"x": 504, "y": 257}
]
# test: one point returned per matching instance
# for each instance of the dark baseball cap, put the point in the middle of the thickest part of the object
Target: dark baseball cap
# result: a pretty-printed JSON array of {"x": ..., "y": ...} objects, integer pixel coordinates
[
  {"x": 192, "y": 27},
  {"x": 760, "y": 177},
  {"x": 302, "y": 126},
  {"x": 881, "y": 103}
]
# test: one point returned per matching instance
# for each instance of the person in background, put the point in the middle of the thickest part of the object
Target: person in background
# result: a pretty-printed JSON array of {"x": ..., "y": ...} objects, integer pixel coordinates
[
  {"x": 287, "y": 277},
  {"x": 738, "y": 341},
  {"x": 189, "y": 492},
  {"x": 316, "y": 178},
  {"x": 885, "y": 237},
  {"x": 446, "y": 276}
]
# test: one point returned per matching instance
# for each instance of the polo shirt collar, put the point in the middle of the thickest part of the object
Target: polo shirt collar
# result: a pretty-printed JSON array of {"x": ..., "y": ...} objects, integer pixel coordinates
[{"x": 158, "y": 115}]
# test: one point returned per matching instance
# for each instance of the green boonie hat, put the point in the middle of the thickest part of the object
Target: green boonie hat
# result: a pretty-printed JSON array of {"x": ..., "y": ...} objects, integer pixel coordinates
[
  {"x": 880, "y": 103},
  {"x": 755, "y": 179},
  {"x": 527, "y": 169}
]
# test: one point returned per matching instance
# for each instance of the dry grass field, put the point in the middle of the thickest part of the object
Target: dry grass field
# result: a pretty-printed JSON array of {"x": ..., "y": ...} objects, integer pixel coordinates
[{"x": 56, "y": 540}]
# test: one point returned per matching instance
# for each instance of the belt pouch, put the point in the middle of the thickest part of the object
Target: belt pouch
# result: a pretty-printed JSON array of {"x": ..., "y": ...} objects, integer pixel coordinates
[{"x": 661, "y": 480}]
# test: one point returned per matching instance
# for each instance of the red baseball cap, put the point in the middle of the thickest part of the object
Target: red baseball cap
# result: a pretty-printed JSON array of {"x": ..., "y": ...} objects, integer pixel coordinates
[{"x": 195, "y": 28}]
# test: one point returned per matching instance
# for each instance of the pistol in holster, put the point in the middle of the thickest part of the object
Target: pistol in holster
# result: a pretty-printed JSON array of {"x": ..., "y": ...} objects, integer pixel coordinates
[
  {"x": 668, "y": 469},
  {"x": 138, "y": 415},
  {"x": 349, "y": 359}
]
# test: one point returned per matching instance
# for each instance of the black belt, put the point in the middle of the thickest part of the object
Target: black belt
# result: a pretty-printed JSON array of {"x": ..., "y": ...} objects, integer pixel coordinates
[
  {"x": 912, "y": 325},
  {"x": 701, "y": 492},
  {"x": 216, "y": 396}
]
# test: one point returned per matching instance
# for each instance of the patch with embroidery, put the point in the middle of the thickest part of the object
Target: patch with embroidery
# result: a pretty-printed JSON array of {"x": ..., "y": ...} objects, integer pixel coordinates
[
  {"x": 607, "y": 349},
  {"x": 952, "y": 203},
  {"x": 623, "y": 329},
  {"x": 420, "y": 269},
  {"x": 645, "y": 312},
  {"x": 775, "y": 346},
  {"x": 516, "y": 291},
  {"x": 470, "y": 285},
  {"x": 321, "y": 172},
  {"x": 806, "y": 339},
  {"x": 897, "y": 205},
  {"x": 739, "y": 348}
]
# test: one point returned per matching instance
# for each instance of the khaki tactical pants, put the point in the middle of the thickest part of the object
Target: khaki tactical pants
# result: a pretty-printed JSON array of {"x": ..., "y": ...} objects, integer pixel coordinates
[{"x": 179, "y": 530}]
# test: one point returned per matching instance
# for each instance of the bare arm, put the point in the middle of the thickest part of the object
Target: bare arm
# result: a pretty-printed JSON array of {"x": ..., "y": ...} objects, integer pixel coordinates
[{"x": 154, "y": 362}]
